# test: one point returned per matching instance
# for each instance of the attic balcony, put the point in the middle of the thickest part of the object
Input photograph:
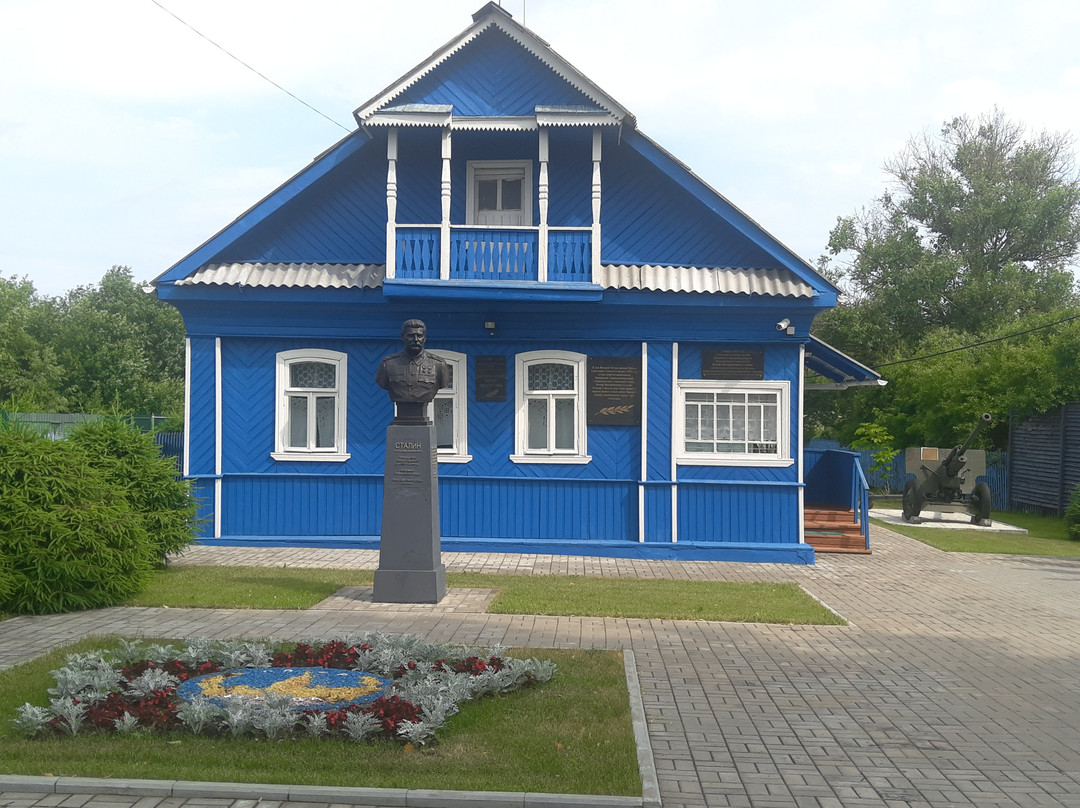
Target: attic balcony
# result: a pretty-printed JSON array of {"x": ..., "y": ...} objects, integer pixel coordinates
[{"x": 471, "y": 261}]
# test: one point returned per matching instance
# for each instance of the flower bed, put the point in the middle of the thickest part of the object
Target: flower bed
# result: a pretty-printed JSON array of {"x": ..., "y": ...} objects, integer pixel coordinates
[{"x": 379, "y": 686}]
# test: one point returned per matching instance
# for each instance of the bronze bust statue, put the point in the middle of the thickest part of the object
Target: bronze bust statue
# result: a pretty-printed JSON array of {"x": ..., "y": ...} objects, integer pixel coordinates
[{"x": 413, "y": 376}]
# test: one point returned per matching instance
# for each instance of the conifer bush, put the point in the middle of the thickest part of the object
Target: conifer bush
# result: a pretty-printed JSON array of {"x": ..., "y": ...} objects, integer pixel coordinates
[
  {"x": 131, "y": 459},
  {"x": 69, "y": 538},
  {"x": 1072, "y": 515}
]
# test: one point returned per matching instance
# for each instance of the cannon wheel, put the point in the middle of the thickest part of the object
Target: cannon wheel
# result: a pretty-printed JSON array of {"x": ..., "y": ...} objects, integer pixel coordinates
[
  {"x": 980, "y": 505},
  {"x": 913, "y": 501}
]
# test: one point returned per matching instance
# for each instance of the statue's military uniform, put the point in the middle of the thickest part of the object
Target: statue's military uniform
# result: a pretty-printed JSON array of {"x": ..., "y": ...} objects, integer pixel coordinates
[{"x": 413, "y": 379}]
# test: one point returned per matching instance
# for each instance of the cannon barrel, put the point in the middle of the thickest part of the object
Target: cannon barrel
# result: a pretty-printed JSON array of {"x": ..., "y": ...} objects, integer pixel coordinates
[{"x": 980, "y": 425}]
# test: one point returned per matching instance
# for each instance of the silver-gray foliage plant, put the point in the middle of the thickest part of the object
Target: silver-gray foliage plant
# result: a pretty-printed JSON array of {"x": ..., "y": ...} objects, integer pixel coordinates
[
  {"x": 199, "y": 714},
  {"x": 150, "y": 680},
  {"x": 127, "y": 724}
]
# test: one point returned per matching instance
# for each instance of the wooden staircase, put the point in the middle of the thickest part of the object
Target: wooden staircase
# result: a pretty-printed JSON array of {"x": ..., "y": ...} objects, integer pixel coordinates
[{"x": 829, "y": 530}]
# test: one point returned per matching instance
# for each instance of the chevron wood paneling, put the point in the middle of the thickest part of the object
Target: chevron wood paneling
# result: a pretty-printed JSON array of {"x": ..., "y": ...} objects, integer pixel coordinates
[
  {"x": 340, "y": 219},
  {"x": 201, "y": 438},
  {"x": 498, "y": 78},
  {"x": 679, "y": 232},
  {"x": 659, "y": 449}
]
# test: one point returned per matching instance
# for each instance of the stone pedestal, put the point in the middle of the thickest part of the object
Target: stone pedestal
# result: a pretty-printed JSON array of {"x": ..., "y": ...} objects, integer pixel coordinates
[{"x": 410, "y": 553}]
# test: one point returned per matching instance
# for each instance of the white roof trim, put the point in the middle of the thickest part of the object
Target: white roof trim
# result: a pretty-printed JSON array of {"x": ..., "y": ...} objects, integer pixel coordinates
[
  {"x": 413, "y": 115},
  {"x": 498, "y": 18},
  {"x": 707, "y": 280},
  {"x": 552, "y": 116},
  {"x": 520, "y": 123}
]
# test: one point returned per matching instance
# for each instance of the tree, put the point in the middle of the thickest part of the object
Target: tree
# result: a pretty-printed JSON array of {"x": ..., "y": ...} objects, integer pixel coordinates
[
  {"x": 108, "y": 347},
  {"x": 29, "y": 372},
  {"x": 120, "y": 348},
  {"x": 979, "y": 229},
  {"x": 973, "y": 240}
]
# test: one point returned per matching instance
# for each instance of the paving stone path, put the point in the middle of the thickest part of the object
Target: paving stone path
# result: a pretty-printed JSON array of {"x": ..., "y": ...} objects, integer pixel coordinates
[{"x": 957, "y": 682}]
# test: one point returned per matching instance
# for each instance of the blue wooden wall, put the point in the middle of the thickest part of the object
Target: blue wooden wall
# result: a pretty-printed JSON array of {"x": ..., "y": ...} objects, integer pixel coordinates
[{"x": 490, "y": 497}]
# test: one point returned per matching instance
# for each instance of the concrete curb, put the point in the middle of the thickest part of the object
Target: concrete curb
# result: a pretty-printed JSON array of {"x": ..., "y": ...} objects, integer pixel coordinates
[
  {"x": 383, "y": 797},
  {"x": 650, "y": 786}
]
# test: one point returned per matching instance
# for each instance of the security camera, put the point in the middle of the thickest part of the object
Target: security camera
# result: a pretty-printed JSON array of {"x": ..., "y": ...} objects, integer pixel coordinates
[{"x": 783, "y": 324}]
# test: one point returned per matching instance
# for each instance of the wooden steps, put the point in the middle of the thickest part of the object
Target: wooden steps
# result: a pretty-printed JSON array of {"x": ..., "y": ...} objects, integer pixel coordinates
[{"x": 829, "y": 530}]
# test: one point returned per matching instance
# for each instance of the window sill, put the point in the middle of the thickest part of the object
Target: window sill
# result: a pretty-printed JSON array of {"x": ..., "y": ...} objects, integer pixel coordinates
[
  {"x": 578, "y": 460},
  {"x": 311, "y": 457},
  {"x": 736, "y": 460},
  {"x": 454, "y": 458}
]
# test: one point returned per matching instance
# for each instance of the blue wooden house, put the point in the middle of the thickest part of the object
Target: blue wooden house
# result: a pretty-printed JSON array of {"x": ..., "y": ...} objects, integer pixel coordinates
[{"x": 628, "y": 348}]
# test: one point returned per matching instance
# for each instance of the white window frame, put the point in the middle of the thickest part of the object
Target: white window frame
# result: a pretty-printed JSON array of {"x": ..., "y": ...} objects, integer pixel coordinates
[
  {"x": 458, "y": 394},
  {"x": 522, "y": 454},
  {"x": 282, "y": 390},
  {"x": 498, "y": 170},
  {"x": 781, "y": 389}
]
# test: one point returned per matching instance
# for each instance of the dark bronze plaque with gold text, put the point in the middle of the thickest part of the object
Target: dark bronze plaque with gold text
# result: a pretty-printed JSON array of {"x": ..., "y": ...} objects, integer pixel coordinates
[{"x": 614, "y": 395}]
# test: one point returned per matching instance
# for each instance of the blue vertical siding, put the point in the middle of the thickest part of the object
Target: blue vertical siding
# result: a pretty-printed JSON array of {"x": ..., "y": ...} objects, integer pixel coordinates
[
  {"x": 710, "y": 512},
  {"x": 288, "y": 505},
  {"x": 548, "y": 510}
]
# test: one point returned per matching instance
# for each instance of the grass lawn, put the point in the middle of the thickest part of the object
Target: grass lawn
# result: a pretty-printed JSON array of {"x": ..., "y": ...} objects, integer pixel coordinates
[
  {"x": 571, "y": 735},
  {"x": 299, "y": 588},
  {"x": 1046, "y": 536}
]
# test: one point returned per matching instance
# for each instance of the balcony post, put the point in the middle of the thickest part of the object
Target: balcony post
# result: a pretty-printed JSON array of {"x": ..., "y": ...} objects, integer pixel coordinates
[
  {"x": 595, "y": 268},
  {"x": 542, "y": 202},
  {"x": 391, "y": 202},
  {"x": 444, "y": 225}
]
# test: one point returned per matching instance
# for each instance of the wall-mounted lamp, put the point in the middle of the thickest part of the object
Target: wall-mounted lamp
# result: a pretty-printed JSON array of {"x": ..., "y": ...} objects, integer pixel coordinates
[
  {"x": 490, "y": 326},
  {"x": 785, "y": 326}
]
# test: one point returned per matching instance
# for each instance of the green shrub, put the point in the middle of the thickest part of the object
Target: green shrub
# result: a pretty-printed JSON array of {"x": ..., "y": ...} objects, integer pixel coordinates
[
  {"x": 68, "y": 537},
  {"x": 130, "y": 459},
  {"x": 1072, "y": 515}
]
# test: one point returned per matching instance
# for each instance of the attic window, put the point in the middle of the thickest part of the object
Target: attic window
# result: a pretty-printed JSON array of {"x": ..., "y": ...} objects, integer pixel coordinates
[{"x": 499, "y": 193}]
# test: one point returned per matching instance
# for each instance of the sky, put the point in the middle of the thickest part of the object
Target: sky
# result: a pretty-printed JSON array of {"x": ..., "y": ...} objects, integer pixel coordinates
[{"x": 128, "y": 139}]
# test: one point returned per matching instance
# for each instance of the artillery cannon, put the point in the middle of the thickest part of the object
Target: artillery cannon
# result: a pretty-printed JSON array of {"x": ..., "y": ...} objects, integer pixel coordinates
[{"x": 948, "y": 484}]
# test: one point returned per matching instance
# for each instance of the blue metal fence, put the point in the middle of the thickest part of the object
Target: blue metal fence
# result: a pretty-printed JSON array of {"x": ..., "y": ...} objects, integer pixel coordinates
[{"x": 892, "y": 480}]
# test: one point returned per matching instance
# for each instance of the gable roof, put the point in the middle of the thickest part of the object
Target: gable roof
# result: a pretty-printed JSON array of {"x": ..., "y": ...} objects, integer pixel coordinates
[
  {"x": 513, "y": 50},
  {"x": 720, "y": 248}
]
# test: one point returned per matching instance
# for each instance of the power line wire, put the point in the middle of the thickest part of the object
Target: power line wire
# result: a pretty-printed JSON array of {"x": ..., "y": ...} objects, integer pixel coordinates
[
  {"x": 977, "y": 344},
  {"x": 249, "y": 67}
]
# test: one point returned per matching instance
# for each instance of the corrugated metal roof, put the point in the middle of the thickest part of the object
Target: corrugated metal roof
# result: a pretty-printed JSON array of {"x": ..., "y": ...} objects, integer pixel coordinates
[
  {"x": 771, "y": 282},
  {"x": 768, "y": 282},
  {"x": 334, "y": 276}
]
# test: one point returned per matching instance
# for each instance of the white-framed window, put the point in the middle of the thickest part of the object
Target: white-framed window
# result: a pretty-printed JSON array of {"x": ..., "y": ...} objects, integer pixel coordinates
[
  {"x": 499, "y": 193},
  {"x": 310, "y": 405},
  {"x": 549, "y": 422},
  {"x": 735, "y": 423},
  {"x": 450, "y": 411}
]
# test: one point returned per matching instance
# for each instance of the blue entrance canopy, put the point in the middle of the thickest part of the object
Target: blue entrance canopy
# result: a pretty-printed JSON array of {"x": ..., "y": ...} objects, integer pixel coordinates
[{"x": 838, "y": 367}]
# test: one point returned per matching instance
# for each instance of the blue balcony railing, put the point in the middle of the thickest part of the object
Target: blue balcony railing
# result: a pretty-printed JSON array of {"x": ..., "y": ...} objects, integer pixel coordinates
[
  {"x": 495, "y": 254},
  {"x": 492, "y": 255}
]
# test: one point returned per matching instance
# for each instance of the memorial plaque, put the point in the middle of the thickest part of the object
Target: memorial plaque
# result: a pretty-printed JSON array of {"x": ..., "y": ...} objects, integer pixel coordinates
[
  {"x": 491, "y": 378},
  {"x": 732, "y": 365},
  {"x": 614, "y": 390}
]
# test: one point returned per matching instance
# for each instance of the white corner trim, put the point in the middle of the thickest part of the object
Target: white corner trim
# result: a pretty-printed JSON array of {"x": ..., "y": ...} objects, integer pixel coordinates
[
  {"x": 218, "y": 429},
  {"x": 187, "y": 407}
]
